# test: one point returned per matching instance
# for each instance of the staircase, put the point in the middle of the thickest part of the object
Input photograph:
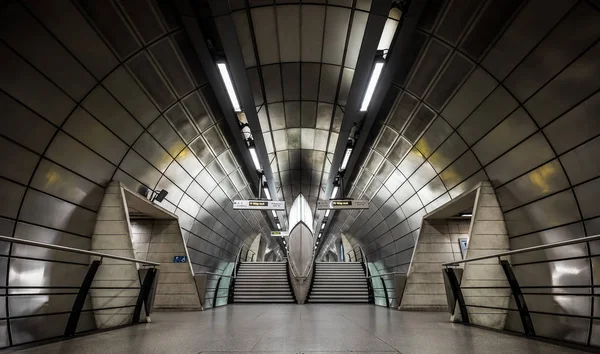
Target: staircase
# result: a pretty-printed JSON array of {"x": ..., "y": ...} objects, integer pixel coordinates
[
  {"x": 262, "y": 282},
  {"x": 340, "y": 282}
]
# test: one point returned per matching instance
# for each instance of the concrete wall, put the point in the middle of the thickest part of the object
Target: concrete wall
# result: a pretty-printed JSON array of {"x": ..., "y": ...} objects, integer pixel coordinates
[
  {"x": 111, "y": 235},
  {"x": 437, "y": 244},
  {"x": 488, "y": 235},
  {"x": 159, "y": 241}
]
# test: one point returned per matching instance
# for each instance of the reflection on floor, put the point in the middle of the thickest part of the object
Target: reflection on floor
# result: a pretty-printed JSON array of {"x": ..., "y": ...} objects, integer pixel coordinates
[{"x": 299, "y": 329}]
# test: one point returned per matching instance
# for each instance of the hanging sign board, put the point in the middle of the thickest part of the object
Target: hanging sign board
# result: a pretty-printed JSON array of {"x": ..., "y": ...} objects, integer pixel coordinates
[
  {"x": 259, "y": 204},
  {"x": 280, "y": 233},
  {"x": 342, "y": 204}
]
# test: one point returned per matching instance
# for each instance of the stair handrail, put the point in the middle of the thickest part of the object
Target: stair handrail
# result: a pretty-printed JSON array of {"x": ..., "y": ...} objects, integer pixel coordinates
[
  {"x": 364, "y": 259},
  {"x": 238, "y": 260}
]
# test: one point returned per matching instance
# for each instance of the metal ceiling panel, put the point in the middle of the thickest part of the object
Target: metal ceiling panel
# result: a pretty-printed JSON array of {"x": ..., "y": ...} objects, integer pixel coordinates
[
  {"x": 292, "y": 114},
  {"x": 291, "y": 81},
  {"x": 330, "y": 75},
  {"x": 313, "y": 23},
  {"x": 386, "y": 140},
  {"x": 108, "y": 111},
  {"x": 308, "y": 114},
  {"x": 78, "y": 158},
  {"x": 523, "y": 34},
  {"x": 42, "y": 96},
  {"x": 492, "y": 110},
  {"x": 542, "y": 181},
  {"x": 310, "y": 81},
  {"x": 181, "y": 121},
  {"x": 454, "y": 74},
  {"x": 276, "y": 116},
  {"x": 272, "y": 79},
  {"x": 148, "y": 148},
  {"x": 146, "y": 73},
  {"x": 451, "y": 149},
  {"x": 525, "y": 156},
  {"x": 566, "y": 133},
  {"x": 418, "y": 123},
  {"x": 336, "y": 30},
  {"x": 265, "y": 30},
  {"x": 431, "y": 61},
  {"x": 504, "y": 136},
  {"x": 488, "y": 25},
  {"x": 240, "y": 20},
  {"x": 172, "y": 66},
  {"x": 459, "y": 170},
  {"x": 436, "y": 134},
  {"x": 477, "y": 87},
  {"x": 572, "y": 35},
  {"x": 580, "y": 163},
  {"x": 553, "y": 99},
  {"x": 556, "y": 210},
  {"x": 587, "y": 198},
  {"x": 89, "y": 131},
  {"x": 400, "y": 149},
  {"x": 359, "y": 24},
  {"x": 288, "y": 26}
]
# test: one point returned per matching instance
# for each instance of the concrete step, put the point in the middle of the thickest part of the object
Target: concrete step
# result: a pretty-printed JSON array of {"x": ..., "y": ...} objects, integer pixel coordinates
[{"x": 338, "y": 301}]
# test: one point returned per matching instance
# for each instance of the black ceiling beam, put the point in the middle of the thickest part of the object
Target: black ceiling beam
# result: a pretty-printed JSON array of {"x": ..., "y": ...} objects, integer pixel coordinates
[
  {"x": 368, "y": 49},
  {"x": 237, "y": 70},
  {"x": 395, "y": 60}
]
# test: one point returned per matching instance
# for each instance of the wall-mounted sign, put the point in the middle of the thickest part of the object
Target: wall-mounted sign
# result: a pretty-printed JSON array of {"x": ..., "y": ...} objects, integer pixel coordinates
[
  {"x": 259, "y": 204},
  {"x": 342, "y": 204},
  {"x": 280, "y": 233},
  {"x": 179, "y": 259}
]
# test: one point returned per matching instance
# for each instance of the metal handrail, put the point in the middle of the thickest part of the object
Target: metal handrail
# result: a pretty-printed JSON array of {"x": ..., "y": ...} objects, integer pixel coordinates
[
  {"x": 73, "y": 250},
  {"x": 364, "y": 259},
  {"x": 526, "y": 250},
  {"x": 383, "y": 275},
  {"x": 221, "y": 275}
]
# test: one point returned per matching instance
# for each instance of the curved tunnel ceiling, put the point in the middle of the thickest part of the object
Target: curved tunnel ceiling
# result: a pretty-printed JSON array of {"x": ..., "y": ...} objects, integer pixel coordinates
[
  {"x": 300, "y": 61},
  {"x": 505, "y": 91},
  {"x": 98, "y": 90}
]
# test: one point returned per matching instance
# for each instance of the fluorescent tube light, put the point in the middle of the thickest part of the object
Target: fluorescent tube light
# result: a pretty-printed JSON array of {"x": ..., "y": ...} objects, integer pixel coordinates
[
  {"x": 346, "y": 158},
  {"x": 267, "y": 193},
  {"x": 372, "y": 84},
  {"x": 274, "y": 213},
  {"x": 327, "y": 212},
  {"x": 252, "y": 149},
  {"x": 335, "y": 191},
  {"x": 320, "y": 234},
  {"x": 278, "y": 226},
  {"x": 322, "y": 226},
  {"x": 283, "y": 242},
  {"x": 229, "y": 86},
  {"x": 466, "y": 215}
]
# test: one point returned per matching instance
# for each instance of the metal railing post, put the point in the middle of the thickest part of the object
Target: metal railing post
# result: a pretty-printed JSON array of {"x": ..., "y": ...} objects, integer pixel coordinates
[
  {"x": 387, "y": 299},
  {"x": 528, "y": 328},
  {"x": 71, "y": 327},
  {"x": 145, "y": 291},
  {"x": 216, "y": 292},
  {"x": 455, "y": 286}
]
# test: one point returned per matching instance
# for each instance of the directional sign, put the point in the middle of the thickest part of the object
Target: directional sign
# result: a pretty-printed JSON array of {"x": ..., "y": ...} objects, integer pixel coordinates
[
  {"x": 342, "y": 204},
  {"x": 259, "y": 204},
  {"x": 280, "y": 233}
]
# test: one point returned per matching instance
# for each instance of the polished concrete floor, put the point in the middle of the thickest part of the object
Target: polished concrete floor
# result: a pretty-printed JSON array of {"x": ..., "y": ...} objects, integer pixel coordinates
[{"x": 299, "y": 329}]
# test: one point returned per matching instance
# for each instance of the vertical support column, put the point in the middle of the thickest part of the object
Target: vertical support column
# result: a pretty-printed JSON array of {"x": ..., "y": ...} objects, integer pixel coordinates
[
  {"x": 519, "y": 298},
  {"x": 144, "y": 294},
  {"x": 455, "y": 286},
  {"x": 387, "y": 299},
  {"x": 71, "y": 327}
]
